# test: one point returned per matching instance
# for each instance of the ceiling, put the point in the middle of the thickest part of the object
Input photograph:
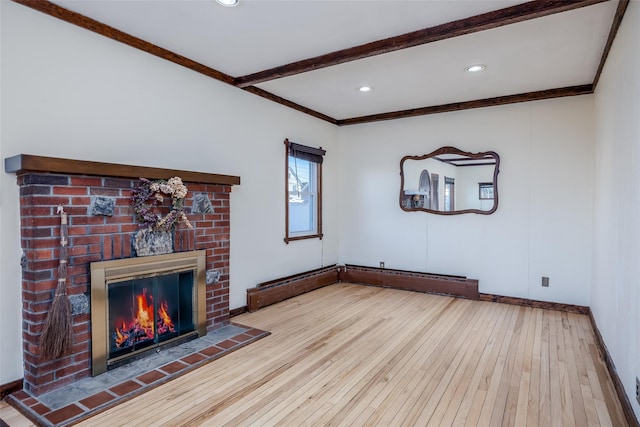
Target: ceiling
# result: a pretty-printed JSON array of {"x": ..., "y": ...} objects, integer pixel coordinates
[{"x": 314, "y": 55}]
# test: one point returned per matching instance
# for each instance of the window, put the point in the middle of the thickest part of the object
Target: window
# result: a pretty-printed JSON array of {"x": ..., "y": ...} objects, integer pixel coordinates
[
  {"x": 303, "y": 191},
  {"x": 449, "y": 194},
  {"x": 435, "y": 194},
  {"x": 485, "y": 190}
]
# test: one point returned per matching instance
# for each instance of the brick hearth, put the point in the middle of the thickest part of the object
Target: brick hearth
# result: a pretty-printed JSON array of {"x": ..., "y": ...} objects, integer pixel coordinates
[{"x": 98, "y": 237}]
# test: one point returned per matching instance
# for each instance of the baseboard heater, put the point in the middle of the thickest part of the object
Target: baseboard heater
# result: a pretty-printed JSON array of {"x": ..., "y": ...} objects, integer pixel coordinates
[
  {"x": 443, "y": 284},
  {"x": 274, "y": 291}
]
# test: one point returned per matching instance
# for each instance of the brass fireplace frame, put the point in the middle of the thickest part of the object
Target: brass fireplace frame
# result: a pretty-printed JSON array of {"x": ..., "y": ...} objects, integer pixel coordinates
[{"x": 105, "y": 272}]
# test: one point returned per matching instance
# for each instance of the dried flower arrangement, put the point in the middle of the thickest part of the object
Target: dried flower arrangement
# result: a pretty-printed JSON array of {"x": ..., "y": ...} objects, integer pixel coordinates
[{"x": 149, "y": 194}]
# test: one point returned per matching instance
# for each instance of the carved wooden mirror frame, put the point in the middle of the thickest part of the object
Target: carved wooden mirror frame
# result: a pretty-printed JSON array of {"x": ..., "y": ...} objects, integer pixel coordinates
[{"x": 410, "y": 201}]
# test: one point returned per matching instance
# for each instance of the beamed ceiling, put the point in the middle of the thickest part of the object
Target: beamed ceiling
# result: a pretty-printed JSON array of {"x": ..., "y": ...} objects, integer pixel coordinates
[{"x": 313, "y": 55}]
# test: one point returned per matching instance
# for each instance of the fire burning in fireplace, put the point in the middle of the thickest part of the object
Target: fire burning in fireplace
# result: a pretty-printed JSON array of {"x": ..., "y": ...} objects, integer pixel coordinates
[
  {"x": 144, "y": 326},
  {"x": 143, "y": 304},
  {"x": 147, "y": 312}
]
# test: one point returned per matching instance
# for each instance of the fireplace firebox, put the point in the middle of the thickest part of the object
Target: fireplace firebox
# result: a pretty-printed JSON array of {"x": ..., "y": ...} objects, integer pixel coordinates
[{"x": 140, "y": 304}]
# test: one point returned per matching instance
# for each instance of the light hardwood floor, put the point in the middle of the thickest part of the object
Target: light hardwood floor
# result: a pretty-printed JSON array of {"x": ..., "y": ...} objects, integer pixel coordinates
[
  {"x": 12, "y": 417},
  {"x": 357, "y": 355}
]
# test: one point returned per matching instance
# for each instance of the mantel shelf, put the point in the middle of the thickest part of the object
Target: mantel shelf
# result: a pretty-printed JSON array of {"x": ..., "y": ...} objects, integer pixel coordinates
[{"x": 23, "y": 163}]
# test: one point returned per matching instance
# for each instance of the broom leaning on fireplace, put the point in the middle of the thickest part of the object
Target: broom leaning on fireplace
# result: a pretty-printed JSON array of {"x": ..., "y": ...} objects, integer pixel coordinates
[{"x": 56, "y": 334}]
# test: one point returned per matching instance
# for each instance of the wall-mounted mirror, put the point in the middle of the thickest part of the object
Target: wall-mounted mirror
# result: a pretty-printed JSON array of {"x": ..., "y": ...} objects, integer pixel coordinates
[{"x": 449, "y": 181}]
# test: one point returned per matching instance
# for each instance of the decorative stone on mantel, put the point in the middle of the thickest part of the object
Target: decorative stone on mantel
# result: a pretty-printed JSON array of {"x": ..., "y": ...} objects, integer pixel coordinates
[
  {"x": 147, "y": 242},
  {"x": 101, "y": 205},
  {"x": 97, "y": 198},
  {"x": 201, "y": 203}
]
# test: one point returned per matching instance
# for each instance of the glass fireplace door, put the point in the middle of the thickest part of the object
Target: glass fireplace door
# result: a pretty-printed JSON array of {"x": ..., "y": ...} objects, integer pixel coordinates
[{"x": 145, "y": 312}]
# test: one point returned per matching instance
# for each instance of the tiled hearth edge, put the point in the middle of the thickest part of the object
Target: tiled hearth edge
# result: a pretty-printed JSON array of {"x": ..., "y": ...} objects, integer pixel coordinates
[{"x": 37, "y": 410}]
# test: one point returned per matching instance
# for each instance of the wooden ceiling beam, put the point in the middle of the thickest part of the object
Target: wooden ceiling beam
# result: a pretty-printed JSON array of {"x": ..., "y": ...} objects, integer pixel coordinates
[
  {"x": 485, "y": 21},
  {"x": 275, "y": 98},
  {"x": 617, "y": 20},
  {"x": 457, "y": 106}
]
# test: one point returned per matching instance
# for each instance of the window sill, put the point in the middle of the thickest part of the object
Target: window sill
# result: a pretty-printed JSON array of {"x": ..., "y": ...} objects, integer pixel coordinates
[{"x": 309, "y": 236}]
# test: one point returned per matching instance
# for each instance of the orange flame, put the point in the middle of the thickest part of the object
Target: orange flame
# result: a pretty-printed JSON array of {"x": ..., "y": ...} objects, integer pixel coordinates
[
  {"x": 163, "y": 312},
  {"x": 145, "y": 316},
  {"x": 121, "y": 336},
  {"x": 142, "y": 327}
]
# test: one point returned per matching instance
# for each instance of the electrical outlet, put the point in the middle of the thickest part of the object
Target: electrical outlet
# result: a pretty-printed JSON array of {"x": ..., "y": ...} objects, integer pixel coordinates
[
  {"x": 638, "y": 390},
  {"x": 545, "y": 282},
  {"x": 381, "y": 264}
]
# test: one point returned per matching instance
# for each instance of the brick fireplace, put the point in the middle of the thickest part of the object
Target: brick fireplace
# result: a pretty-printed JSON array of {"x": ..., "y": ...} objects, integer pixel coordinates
[{"x": 101, "y": 223}]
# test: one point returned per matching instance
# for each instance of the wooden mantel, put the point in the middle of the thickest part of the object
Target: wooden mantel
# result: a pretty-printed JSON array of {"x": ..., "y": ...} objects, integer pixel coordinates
[{"x": 23, "y": 163}]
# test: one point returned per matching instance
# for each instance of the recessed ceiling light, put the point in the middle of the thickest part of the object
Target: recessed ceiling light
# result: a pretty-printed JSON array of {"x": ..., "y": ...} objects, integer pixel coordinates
[
  {"x": 475, "y": 68},
  {"x": 228, "y": 3},
  {"x": 365, "y": 89}
]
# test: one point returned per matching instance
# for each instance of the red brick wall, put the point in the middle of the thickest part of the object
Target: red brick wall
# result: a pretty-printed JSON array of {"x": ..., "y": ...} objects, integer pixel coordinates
[{"x": 98, "y": 238}]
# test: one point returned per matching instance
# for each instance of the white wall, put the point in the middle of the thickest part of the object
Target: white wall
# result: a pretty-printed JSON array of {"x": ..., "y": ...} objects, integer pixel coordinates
[
  {"x": 615, "y": 299},
  {"x": 67, "y": 92},
  {"x": 543, "y": 223}
]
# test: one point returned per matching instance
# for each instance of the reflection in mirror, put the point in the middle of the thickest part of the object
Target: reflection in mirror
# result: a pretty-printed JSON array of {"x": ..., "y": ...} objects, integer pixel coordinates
[{"x": 470, "y": 183}]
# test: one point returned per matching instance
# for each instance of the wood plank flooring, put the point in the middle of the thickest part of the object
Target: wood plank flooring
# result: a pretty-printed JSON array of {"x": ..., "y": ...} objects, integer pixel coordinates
[
  {"x": 11, "y": 417},
  {"x": 359, "y": 355}
]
